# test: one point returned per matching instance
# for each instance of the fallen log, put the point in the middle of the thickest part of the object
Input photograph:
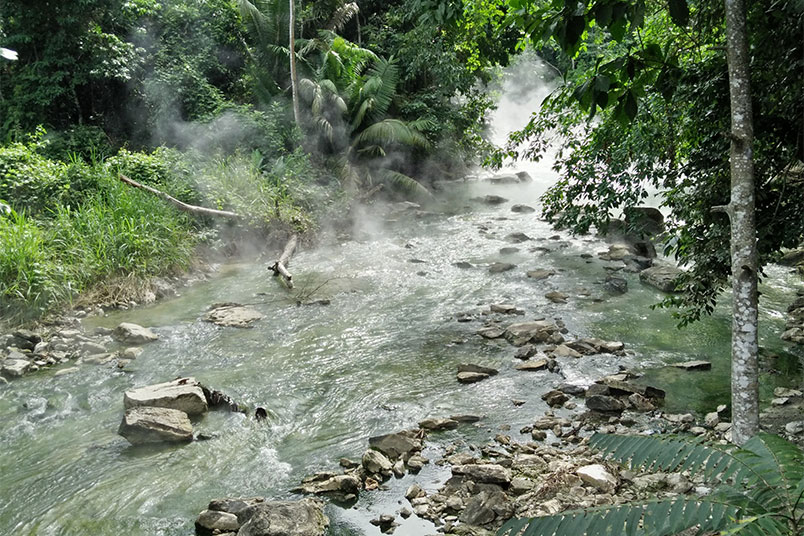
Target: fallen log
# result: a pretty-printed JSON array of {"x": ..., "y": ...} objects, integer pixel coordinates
[
  {"x": 192, "y": 209},
  {"x": 280, "y": 267}
]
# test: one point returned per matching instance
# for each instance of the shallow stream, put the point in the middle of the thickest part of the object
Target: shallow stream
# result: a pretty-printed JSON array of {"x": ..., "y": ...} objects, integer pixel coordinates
[{"x": 381, "y": 357}]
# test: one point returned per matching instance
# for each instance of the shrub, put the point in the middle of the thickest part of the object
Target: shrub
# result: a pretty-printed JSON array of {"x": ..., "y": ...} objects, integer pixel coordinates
[{"x": 29, "y": 181}]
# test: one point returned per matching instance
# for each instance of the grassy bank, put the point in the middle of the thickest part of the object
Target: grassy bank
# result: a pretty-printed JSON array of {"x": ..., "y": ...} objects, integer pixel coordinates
[{"x": 69, "y": 226}]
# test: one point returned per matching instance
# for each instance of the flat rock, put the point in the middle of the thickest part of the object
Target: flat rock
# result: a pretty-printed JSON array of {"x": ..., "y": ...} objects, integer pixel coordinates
[
  {"x": 562, "y": 350},
  {"x": 232, "y": 315},
  {"x": 604, "y": 403},
  {"x": 540, "y": 274},
  {"x": 14, "y": 368},
  {"x": 693, "y": 365},
  {"x": 397, "y": 444},
  {"x": 555, "y": 398},
  {"x": 500, "y": 267},
  {"x": 491, "y": 199},
  {"x": 376, "y": 462},
  {"x": 155, "y": 425},
  {"x": 346, "y": 484},
  {"x": 533, "y": 365},
  {"x": 508, "y": 250},
  {"x": 211, "y": 520},
  {"x": 479, "y": 369},
  {"x": 471, "y": 377},
  {"x": 129, "y": 333},
  {"x": 491, "y": 333},
  {"x": 504, "y": 308},
  {"x": 557, "y": 297},
  {"x": 661, "y": 277},
  {"x": 522, "y": 333},
  {"x": 184, "y": 394},
  {"x": 435, "y": 424},
  {"x": 517, "y": 238},
  {"x": 484, "y": 474}
]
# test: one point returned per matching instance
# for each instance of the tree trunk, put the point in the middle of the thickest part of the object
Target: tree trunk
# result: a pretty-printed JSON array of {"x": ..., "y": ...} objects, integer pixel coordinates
[
  {"x": 181, "y": 205},
  {"x": 294, "y": 77},
  {"x": 280, "y": 267},
  {"x": 744, "y": 345}
]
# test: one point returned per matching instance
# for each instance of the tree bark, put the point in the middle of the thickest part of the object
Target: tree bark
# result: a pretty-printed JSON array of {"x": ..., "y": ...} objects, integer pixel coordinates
[
  {"x": 294, "y": 76},
  {"x": 192, "y": 209},
  {"x": 744, "y": 265},
  {"x": 280, "y": 267}
]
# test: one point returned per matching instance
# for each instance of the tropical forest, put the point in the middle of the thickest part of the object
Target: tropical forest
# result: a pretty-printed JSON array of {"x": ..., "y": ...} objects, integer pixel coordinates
[{"x": 414, "y": 267}]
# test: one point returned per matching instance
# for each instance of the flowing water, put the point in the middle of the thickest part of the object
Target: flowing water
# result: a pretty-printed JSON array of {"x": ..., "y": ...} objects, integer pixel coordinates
[{"x": 380, "y": 358}]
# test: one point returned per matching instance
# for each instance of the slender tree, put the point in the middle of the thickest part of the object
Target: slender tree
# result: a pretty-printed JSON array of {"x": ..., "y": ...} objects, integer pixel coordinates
[
  {"x": 741, "y": 211},
  {"x": 294, "y": 77}
]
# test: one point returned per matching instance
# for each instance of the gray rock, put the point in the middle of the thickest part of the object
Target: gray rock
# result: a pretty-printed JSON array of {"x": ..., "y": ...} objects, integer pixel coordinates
[
  {"x": 491, "y": 199},
  {"x": 486, "y": 507},
  {"x": 644, "y": 220},
  {"x": 28, "y": 335},
  {"x": 533, "y": 365},
  {"x": 397, "y": 444},
  {"x": 375, "y": 462},
  {"x": 562, "y": 350},
  {"x": 794, "y": 428},
  {"x": 154, "y": 425},
  {"x": 508, "y": 250},
  {"x": 539, "y": 274},
  {"x": 557, "y": 297},
  {"x": 347, "y": 484},
  {"x": 693, "y": 365},
  {"x": 90, "y": 348},
  {"x": 211, "y": 520},
  {"x": 792, "y": 258},
  {"x": 661, "y": 277},
  {"x": 615, "y": 285},
  {"x": 604, "y": 403},
  {"x": 479, "y": 369},
  {"x": 491, "y": 333},
  {"x": 484, "y": 474},
  {"x": 522, "y": 209},
  {"x": 526, "y": 352},
  {"x": 517, "y": 238},
  {"x": 500, "y": 267},
  {"x": 471, "y": 377},
  {"x": 232, "y": 315},
  {"x": 129, "y": 333},
  {"x": 504, "y": 308},
  {"x": 522, "y": 333},
  {"x": 283, "y": 518},
  {"x": 14, "y": 368},
  {"x": 438, "y": 424},
  {"x": 416, "y": 462},
  {"x": 184, "y": 394},
  {"x": 555, "y": 398}
]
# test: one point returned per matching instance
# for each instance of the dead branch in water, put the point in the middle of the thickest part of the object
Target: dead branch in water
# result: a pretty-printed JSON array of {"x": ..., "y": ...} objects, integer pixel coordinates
[
  {"x": 280, "y": 266},
  {"x": 192, "y": 209}
]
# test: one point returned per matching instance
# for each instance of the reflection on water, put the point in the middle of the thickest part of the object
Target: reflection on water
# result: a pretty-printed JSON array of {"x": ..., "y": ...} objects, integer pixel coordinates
[{"x": 380, "y": 358}]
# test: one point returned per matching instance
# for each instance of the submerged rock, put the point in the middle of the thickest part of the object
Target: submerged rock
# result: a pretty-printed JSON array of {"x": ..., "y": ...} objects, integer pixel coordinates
[
  {"x": 184, "y": 394},
  {"x": 523, "y": 209},
  {"x": 693, "y": 365},
  {"x": 155, "y": 425},
  {"x": 491, "y": 199},
  {"x": 232, "y": 315},
  {"x": 538, "y": 275},
  {"x": 500, "y": 267}
]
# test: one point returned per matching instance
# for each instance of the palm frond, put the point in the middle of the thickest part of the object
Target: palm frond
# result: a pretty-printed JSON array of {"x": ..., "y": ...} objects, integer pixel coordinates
[
  {"x": 403, "y": 183},
  {"x": 348, "y": 175},
  {"x": 390, "y": 131},
  {"x": 380, "y": 86},
  {"x": 343, "y": 14}
]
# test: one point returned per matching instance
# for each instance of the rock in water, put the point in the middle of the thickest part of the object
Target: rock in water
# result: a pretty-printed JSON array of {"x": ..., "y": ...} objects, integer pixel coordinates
[
  {"x": 232, "y": 315},
  {"x": 484, "y": 474},
  {"x": 210, "y": 520},
  {"x": 155, "y": 425},
  {"x": 184, "y": 394},
  {"x": 283, "y": 518},
  {"x": 662, "y": 277},
  {"x": 397, "y": 444},
  {"x": 500, "y": 267},
  {"x": 134, "y": 334}
]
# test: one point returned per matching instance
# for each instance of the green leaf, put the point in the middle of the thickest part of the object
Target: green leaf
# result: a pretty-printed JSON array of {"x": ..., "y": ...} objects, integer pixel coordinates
[
  {"x": 574, "y": 30},
  {"x": 679, "y": 12},
  {"x": 630, "y": 105}
]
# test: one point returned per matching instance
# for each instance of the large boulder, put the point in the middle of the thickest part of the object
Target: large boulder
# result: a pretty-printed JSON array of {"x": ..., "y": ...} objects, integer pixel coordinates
[
  {"x": 232, "y": 315},
  {"x": 484, "y": 474},
  {"x": 376, "y": 462},
  {"x": 283, "y": 518},
  {"x": 155, "y": 425},
  {"x": 661, "y": 276},
  {"x": 183, "y": 394},
  {"x": 646, "y": 221},
  {"x": 210, "y": 521},
  {"x": 15, "y": 367},
  {"x": 597, "y": 476}
]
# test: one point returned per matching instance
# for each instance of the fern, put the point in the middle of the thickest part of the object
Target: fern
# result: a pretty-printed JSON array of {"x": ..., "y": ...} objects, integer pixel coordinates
[{"x": 760, "y": 492}]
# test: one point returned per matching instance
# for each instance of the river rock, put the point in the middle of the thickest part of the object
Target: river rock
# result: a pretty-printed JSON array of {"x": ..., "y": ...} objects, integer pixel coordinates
[
  {"x": 491, "y": 333},
  {"x": 500, "y": 267},
  {"x": 375, "y": 462},
  {"x": 644, "y": 220},
  {"x": 508, "y": 250},
  {"x": 522, "y": 209},
  {"x": 129, "y": 333},
  {"x": 283, "y": 518},
  {"x": 562, "y": 350},
  {"x": 438, "y": 424},
  {"x": 556, "y": 297},
  {"x": 478, "y": 369},
  {"x": 693, "y": 365},
  {"x": 794, "y": 428},
  {"x": 522, "y": 333},
  {"x": 397, "y": 444},
  {"x": 615, "y": 285},
  {"x": 491, "y": 199},
  {"x": 526, "y": 352},
  {"x": 533, "y": 365},
  {"x": 184, "y": 394},
  {"x": 596, "y": 475},
  {"x": 661, "y": 276},
  {"x": 540, "y": 274},
  {"x": 792, "y": 258},
  {"x": 484, "y": 474},
  {"x": 471, "y": 377},
  {"x": 210, "y": 521},
  {"x": 505, "y": 308},
  {"x": 154, "y": 425},
  {"x": 14, "y": 368},
  {"x": 487, "y": 506},
  {"x": 555, "y": 398},
  {"x": 232, "y": 315},
  {"x": 345, "y": 486},
  {"x": 517, "y": 238},
  {"x": 604, "y": 403}
]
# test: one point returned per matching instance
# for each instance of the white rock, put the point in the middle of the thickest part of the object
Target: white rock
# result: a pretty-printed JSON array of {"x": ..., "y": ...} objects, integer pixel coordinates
[
  {"x": 15, "y": 367},
  {"x": 134, "y": 334},
  {"x": 598, "y": 476},
  {"x": 152, "y": 425},
  {"x": 795, "y": 427},
  {"x": 222, "y": 521},
  {"x": 184, "y": 394}
]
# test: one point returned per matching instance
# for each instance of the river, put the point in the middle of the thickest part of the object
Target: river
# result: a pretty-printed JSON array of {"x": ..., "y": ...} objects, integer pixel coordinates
[{"x": 379, "y": 358}]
